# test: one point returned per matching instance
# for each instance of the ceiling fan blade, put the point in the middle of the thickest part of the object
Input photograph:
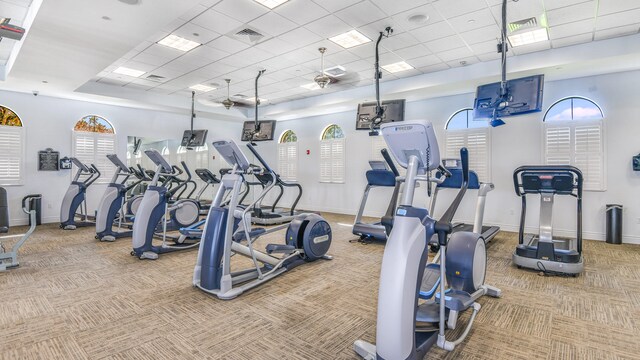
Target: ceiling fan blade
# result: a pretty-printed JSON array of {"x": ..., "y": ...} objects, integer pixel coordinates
[{"x": 209, "y": 102}]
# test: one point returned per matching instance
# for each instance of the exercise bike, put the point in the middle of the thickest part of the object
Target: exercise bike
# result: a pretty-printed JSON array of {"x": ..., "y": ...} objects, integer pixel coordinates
[
  {"x": 462, "y": 259},
  {"x": 158, "y": 213},
  {"x": 308, "y": 236},
  {"x": 9, "y": 259},
  {"x": 76, "y": 197}
]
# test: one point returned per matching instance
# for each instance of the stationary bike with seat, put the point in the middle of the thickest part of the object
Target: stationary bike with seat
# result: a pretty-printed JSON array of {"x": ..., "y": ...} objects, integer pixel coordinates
[{"x": 462, "y": 258}]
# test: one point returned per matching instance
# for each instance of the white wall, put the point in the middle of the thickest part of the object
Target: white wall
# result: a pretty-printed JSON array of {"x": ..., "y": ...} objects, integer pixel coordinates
[
  {"x": 49, "y": 122},
  {"x": 515, "y": 144}
]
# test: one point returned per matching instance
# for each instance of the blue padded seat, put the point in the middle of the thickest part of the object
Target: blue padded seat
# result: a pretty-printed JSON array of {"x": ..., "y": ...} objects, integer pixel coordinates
[
  {"x": 380, "y": 177},
  {"x": 455, "y": 180}
]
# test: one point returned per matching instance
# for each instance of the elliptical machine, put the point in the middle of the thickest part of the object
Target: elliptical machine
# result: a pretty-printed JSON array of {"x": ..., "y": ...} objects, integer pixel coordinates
[
  {"x": 157, "y": 212},
  {"x": 462, "y": 258},
  {"x": 76, "y": 198},
  {"x": 308, "y": 236},
  {"x": 9, "y": 259},
  {"x": 112, "y": 207}
]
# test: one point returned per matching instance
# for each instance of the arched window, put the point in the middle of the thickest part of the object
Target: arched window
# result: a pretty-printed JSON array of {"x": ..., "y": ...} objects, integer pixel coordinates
[
  {"x": 573, "y": 135},
  {"x": 332, "y": 155},
  {"x": 288, "y": 156},
  {"x": 11, "y": 147},
  {"x": 165, "y": 152},
  {"x": 93, "y": 139},
  {"x": 463, "y": 131}
]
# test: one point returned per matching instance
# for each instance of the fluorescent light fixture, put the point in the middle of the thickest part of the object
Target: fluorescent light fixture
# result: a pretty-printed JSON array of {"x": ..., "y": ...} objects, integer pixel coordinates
[
  {"x": 397, "y": 67},
  {"x": 200, "y": 87},
  {"x": 271, "y": 4},
  {"x": 311, "y": 86},
  {"x": 350, "y": 39},
  {"x": 129, "y": 72},
  {"x": 180, "y": 43},
  {"x": 528, "y": 37}
]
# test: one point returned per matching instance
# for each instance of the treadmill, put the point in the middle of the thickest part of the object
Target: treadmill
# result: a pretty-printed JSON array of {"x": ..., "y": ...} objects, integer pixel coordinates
[
  {"x": 454, "y": 181},
  {"x": 382, "y": 174},
  {"x": 544, "y": 251}
]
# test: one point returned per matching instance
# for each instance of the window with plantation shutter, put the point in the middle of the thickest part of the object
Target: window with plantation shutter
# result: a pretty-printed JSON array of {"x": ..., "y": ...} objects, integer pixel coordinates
[
  {"x": 93, "y": 139},
  {"x": 288, "y": 156},
  {"x": 573, "y": 131},
  {"x": 463, "y": 131},
  {"x": 332, "y": 155},
  {"x": 11, "y": 154},
  {"x": 377, "y": 144}
]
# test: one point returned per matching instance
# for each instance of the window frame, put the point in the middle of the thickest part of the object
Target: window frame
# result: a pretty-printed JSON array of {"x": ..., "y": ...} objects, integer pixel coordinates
[
  {"x": 22, "y": 166},
  {"x": 332, "y": 162},
  {"x": 573, "y": 124}
]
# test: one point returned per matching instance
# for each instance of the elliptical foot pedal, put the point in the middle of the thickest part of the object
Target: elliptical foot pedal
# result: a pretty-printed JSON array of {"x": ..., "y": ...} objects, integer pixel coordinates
[
  {"x": 108, "y": 238},
  {"x": 280, "y": 248},
  {"x": 149, "y": 255},
  {"x": 430, "y": 281}
]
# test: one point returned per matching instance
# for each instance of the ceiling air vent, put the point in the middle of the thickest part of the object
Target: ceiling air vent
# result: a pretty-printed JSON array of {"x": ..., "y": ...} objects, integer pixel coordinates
[
  {"x": 153, "y": 77},
  {"x": 248, "y": 35},
  {"x": 335, "y": 71},
  {"x": 528, "y": 23}
]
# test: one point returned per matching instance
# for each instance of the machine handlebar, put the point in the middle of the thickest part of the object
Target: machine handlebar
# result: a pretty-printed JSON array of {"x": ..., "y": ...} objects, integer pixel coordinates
[
  {"x": 387, "y": 158},
  {"x": 443, "y": 226}
]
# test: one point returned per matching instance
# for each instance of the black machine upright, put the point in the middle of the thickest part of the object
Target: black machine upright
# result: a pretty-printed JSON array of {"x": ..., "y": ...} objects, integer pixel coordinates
[{"x": 544, "y": 251}]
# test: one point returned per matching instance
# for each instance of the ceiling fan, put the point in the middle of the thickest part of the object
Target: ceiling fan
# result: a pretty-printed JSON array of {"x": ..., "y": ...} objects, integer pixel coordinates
[
  {"x": 228, "y": 102},
  {"x": 333, "y": 75}
]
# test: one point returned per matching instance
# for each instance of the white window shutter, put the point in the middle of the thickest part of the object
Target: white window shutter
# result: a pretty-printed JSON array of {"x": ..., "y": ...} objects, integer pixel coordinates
[
  {"x": 557, "y": 147},
  {"x": 337, "y": 161},
  {"x": 84, "y": 147},
  {"x": 589, "y": 155},
  {"x": 456, "y": 139},
  {"x": 325, "y": 161},
  {"x": 11, "y": 151},
  {"x": 105, "y": 144},
  {"x": 292, "y": 161},
  {"x": 377, "y": 144},
  {"x": 283, "y": 162},
  {"x": 479, "y": 153}
]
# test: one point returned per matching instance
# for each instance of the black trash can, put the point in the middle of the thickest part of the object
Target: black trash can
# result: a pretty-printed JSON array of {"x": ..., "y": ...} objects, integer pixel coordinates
[
  {"x": 614, "y": 224},
  {"x": 35, "y": 203}
]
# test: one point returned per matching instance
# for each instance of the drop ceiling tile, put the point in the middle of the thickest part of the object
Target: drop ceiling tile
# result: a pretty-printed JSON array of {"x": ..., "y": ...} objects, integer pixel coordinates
[
  {"x": 449, "y": 10},
  {"x": 115, "y": 82},
  {"x": 358, "y": 65},
  {"x": 328, "y": 26},
  {"x": 300, "y": 37},
  {"x": 193, "y": 12},
  {"x": 301, "y": 11},
  {"x": 610, "y": 7},
  {"x": 471, "y": 21},
  {"x": 389, "y": 58},
  {"x": 399, "y": 41},
  {"x": 484, "y": 47},
  {"x": 555, "y": 4},
  {"x": 360, "y": 14},
  {"x": 488, "y": 56},
  {"x": 372, "y": 30},
  {"x": 162, "y": 51},
  {"x": 216, "y": 21},
  {"x": 335, "y": 5},
  {"x": 407, "y": 73},
  {"x": 413, "y": 52},
  {"x": 463, "y": 62},
  {"x": 444, "y": 44},
  {"x": 151, "y": 59},
  {"x": 581, "y": 11},
  {"x": 487, "y": 33},
  {"x": 402, "y": 19},
  {"x": 227, "y": 44},
  {"x": 570, "y": 29},
  {"x": 300, "y": 56},
  {"x": 275, "y": 46},
  {"x": 209, "y": 52},
  {"x": 139, "y": 66},
  {"x": 520, "y": 10},
  {"x": 434, "y": 68},
  {"x": 525, "y": 49},
  {"x": 143, "y": 45},
  {"x": 332, "y": 48},
  {"x": 572, "y": 40},
  {"x": 167, "y": 73},
  {"x": 396, "y": 6},
  {"x": 424, "y": 61},
  {"x": 455, "y": 54},
  {"x": 189, "y": 30},
  {"x": 241, "y": 10},
  {"x": 145, "y": 83},
  {"x": 619, "y": 31},
  {"x": 273, "y": 24},
  {"x": 366, "y": 51},
  {"x": 433, "y": 32},
  {"x": 342, "y": 57},
  {"x": 616, "y": 20}
]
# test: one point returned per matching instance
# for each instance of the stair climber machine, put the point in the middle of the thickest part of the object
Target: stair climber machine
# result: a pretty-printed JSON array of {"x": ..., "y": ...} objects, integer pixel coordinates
[
  {"x": 404, "y": 327},
  {"x": 544, "y": 251},
  {"x": 160, "y": 212},
  {"x": 112, "y": 210},
  {"x": 454, "y": 181},
  {"x": 271, "y": 214},
  {"x": 9, "y": 259},
  {"x": 382, "y": 174},
  {"x": 308, "y": 236},
  {"x": 76, "y": 197}
]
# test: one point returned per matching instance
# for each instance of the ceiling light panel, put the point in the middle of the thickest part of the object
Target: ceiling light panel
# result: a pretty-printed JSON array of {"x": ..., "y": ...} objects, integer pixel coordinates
[
  {"x": 397, "y": 67},
  {"x": 179, "y": 43},
  {"x": 529, "y": 37},
  {"x": 201, "y": 88},
  {"x": 271, "y": 4},
  {"x": 129, "y": 72},
  {"x": 350, "y": 39}
]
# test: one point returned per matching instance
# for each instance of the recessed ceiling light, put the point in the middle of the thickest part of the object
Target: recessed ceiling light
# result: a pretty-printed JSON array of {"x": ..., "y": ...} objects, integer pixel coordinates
[
  {"x": 201, "y": 87},
  {"x": 418, "y": 18},
  {"x": 397, "y": 67},
  {"x": 271, "y": 4},
  {"x": 311, "y": 86},
  {"x": 350, "y": 39},
  {"x": 130, "y": 2},
  {"x": 180, "y": 43},
  {"x": 129, "y": 72},
  {"x": 528, "y": 37}
]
